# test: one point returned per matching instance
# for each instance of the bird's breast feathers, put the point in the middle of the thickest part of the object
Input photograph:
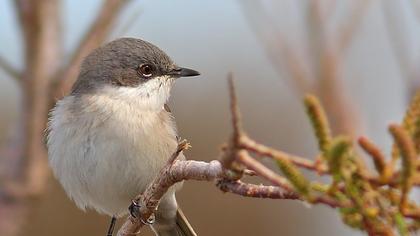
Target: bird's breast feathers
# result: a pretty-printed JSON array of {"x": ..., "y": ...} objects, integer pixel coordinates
[{"x": 100, "y": 143}]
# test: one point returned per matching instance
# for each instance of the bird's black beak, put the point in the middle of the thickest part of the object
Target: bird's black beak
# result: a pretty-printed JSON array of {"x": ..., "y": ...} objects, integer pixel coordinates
[{"x": 183, "y": 72}]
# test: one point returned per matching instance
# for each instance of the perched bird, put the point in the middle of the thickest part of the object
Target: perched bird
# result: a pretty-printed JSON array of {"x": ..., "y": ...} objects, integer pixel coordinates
[{"x": 109, "y": 138}]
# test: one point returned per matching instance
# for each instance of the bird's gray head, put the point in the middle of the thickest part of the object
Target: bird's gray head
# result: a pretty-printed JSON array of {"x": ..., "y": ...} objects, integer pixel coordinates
[{"x": 129, "y": 67}]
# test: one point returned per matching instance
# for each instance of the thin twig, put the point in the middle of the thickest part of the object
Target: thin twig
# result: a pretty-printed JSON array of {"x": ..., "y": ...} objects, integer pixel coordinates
[
  {"x": 264, "y": 172},
  {"x": 230, "y": 153},
  {"x": 251, "y": 145},
  {"x": 257, "y": 191},
  {"x": 413, "y": 214},
  {"x": 236, "y": 115},
  {"x": 249, "y": 172}
]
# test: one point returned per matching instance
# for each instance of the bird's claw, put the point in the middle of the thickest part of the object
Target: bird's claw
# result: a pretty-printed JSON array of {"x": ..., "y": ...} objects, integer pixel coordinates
[{"x": 134, "y": 209}]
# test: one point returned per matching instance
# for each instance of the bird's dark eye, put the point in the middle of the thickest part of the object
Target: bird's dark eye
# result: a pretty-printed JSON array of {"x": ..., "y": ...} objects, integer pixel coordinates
[{"x": 145, "y": 70}]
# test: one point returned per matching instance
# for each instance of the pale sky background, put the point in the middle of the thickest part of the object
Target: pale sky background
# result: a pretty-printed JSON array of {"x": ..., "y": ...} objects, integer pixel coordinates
[{"x": 214, "y": 37}]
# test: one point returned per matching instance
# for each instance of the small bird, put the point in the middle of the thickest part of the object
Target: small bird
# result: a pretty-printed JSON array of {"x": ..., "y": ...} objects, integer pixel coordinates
[{"x": 109, "y": 138}]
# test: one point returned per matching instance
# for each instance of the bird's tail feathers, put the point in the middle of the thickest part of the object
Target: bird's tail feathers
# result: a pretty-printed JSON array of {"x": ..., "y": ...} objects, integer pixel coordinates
[{"x": 181, "y": 228}]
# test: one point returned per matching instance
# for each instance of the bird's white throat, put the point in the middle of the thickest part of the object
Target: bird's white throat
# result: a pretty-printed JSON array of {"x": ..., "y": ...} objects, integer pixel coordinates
[{"x": 151, "y": 95}]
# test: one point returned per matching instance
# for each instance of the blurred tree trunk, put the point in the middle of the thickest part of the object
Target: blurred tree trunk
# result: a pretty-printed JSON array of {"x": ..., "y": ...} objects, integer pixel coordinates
[
  {"x": 41, "y": 36},
  {"x": 41, "y": 32},
  {"x": 43, "y": 79}
]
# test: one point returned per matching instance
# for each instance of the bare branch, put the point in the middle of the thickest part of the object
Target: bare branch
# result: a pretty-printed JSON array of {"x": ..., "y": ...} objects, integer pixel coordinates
[
  {"x": 236, "y": 115},
  {"x": 280, "y": 181},
  {"x": 9, "y": 69},
  {"x": 171, "y": 174},
  {"x": 258, "y": 191},
  {"x": 263, "y": 171},
  {"x": 230, "y": 153},
  {"x": 413, "y": 214},
  {"x": 94, "y": 37},
  {"x": 263, "y": 150},
  {"x": 196, "y": 170}
]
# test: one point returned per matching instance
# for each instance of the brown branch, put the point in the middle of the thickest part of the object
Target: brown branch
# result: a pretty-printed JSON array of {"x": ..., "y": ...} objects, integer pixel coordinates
[
  {"x": 236, "y": 115},
  {"x": 9, "y": 69},
  {"x": 413, "y": 214},
  {"x": 230, "y": 152},
  {"x": 171, "y": 174},
  {"x": 95, "y": 36},
  {"x": 256, "y": 191},
  {"x": 280, "y": 181},
  {"x": 177, "y": 171},
  {"x": 203, "y": 171},
  {"x": 263, "y": 150},
  {"x": 262, "y": 171}
]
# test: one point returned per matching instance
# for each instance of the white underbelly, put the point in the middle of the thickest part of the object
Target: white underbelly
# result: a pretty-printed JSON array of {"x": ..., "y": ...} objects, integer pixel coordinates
[{"x": 107, "y": 163}]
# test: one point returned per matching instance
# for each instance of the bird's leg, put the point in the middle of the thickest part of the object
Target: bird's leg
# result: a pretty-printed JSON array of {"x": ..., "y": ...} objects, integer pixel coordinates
[
  {"x": 134, "y": 209},
  {"x": 111, "y": 226}
]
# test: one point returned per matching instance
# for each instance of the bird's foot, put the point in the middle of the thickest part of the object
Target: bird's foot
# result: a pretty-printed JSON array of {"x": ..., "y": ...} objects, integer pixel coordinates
[{"x": 134, "y": 209}]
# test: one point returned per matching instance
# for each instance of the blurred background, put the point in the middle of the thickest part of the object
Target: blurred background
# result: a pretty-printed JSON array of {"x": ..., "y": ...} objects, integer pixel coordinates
[{"x": 360, "y": 57}]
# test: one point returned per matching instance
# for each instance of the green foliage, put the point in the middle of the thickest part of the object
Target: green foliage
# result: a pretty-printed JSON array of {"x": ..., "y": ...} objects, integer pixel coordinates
[
  {"x": 377, "y": 205},
  {"x": 335, "y": 156},
  {"x": 408, "y": 156},
  {"x": 401, "y": 225},
  {"x": 293, "y": 174},
  {"x": 319, "y": 122},
  {"x": 416, "y": 135}
]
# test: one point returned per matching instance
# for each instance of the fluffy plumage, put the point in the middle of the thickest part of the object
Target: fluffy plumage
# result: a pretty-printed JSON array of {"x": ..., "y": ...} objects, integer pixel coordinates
[
  {"x": 106, "y": 147},
  {"x": 110, "y": 137}
]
